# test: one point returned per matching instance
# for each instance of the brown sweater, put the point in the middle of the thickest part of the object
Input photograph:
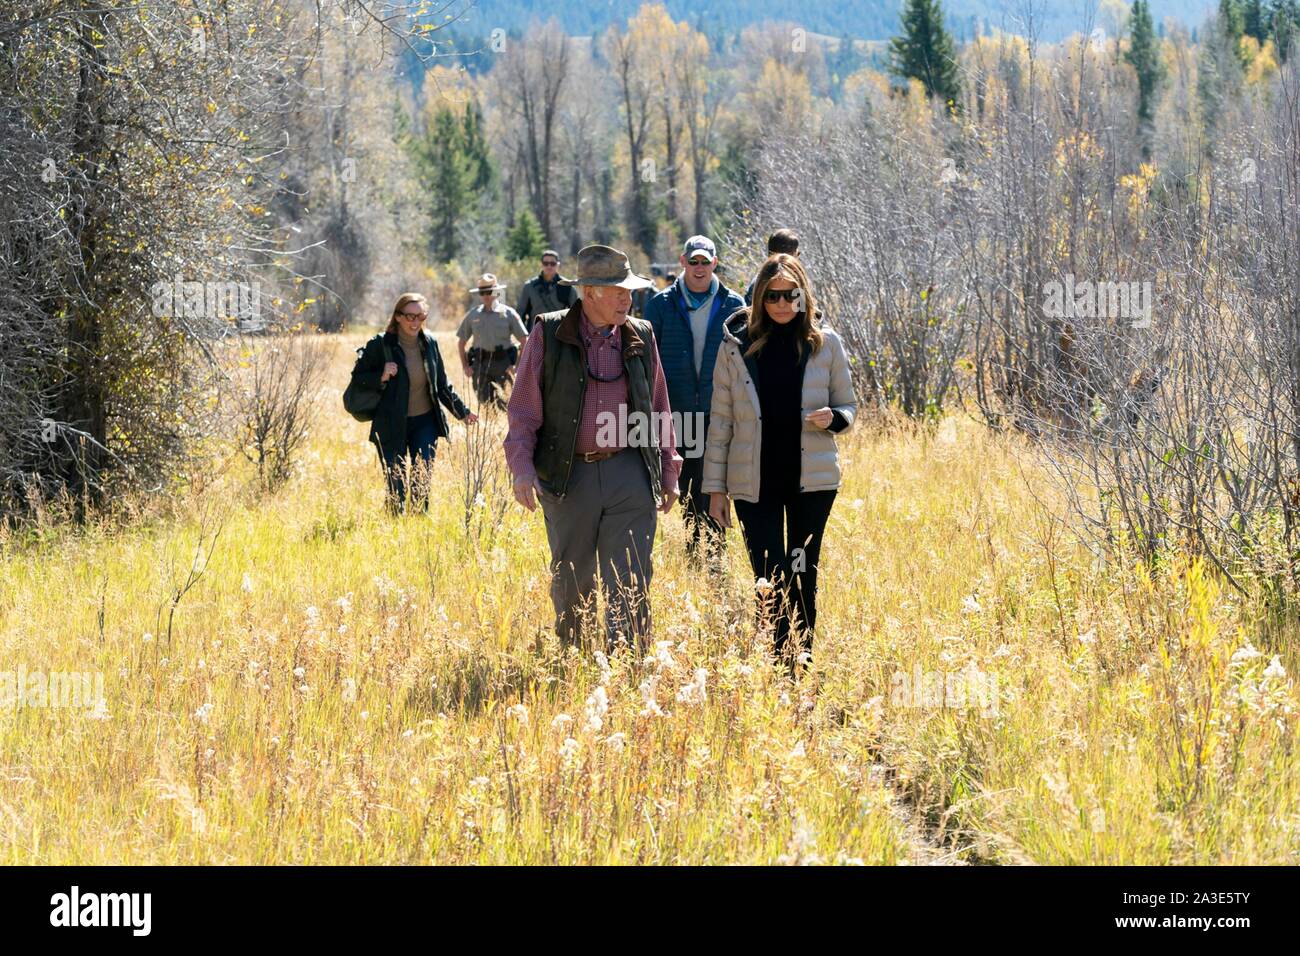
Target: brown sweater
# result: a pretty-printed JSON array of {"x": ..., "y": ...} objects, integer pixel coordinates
[{"x": 418, "y": 401}]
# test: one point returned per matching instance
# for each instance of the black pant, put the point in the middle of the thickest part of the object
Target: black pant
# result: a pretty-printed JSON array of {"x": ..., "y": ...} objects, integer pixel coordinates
[
  {"x": 418, "y": 449},
  {"x": 695, "y": 512},
  {"x": 489, "y": 373},
  {"x": 792, "y": 570}
]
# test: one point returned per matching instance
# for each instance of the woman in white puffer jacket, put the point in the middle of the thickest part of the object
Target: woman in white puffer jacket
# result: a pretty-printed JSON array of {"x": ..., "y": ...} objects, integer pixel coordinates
[{"x": 782, "y": 390}]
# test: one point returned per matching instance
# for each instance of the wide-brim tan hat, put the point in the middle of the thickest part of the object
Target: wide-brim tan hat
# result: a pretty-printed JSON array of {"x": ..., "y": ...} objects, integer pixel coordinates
[
  {"x": 487, "y": 282},
  {"x": 605, "y": 265}
]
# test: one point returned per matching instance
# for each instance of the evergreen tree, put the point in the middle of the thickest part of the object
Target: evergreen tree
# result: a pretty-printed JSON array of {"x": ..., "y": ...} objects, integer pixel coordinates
[
  {"x": 1144, "y": 56},
  {"x": 477, "y": 155},
  {"x": 1219, "y": 75},
  {"x": 446, "y": 176},
  {"x": 843, "y": 63},
  {"x": 455, "y": 170},
  {"x": 1283, "y": 18},
  {"x": 1254, "y": 20},
  {"x": 525, "y": 239},
  {"x": 926, "y": 51},
  {"x": 1232, "y": 23}
]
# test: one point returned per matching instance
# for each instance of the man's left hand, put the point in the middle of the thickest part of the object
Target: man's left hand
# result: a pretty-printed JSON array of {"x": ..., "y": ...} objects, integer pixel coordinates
[{"x": 670, "y": 496}]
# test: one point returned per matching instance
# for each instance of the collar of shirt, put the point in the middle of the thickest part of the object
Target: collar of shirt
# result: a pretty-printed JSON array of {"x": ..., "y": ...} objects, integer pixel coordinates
[
  {"x": 695, "y": 300},
  {"x": 497, "y": 307},
  {"x": 596, "y": 336}
]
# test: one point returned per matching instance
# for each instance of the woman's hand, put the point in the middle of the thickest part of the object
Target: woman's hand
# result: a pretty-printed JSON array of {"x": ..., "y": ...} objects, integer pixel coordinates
[
  {"x": 821, "y": 418},
  {"x": 720, "y": 509},
  {"x": 471, "y": 419},
  {"x": 390, "y": 370}
]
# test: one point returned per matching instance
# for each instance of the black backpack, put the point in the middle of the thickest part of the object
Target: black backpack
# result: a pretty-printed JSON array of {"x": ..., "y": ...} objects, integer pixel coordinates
[{"x": 362, "y": 401}]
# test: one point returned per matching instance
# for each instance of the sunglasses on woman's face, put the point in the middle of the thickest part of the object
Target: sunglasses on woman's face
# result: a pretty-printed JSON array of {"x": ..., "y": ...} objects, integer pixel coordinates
[
  {"x": 414, "y": 315},
  {"x": 775, "y": 295}
]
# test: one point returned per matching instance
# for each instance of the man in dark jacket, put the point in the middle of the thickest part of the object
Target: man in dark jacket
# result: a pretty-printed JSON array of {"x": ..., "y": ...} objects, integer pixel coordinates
[
  {"x": 783, "y": 240},
  {"x": 687, "y": 319},
  {"x": 543, "y": 292}
]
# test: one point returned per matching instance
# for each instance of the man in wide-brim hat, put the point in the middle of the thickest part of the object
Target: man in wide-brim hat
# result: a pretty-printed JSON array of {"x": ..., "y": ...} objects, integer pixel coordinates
[
  {"x": 590, "y": 434},
  {"x": 487, "y": 351}
]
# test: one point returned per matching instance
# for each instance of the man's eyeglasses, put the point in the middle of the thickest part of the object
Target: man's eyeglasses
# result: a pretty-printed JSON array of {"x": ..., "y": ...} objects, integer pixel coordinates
[
  {"x": 790, "y": 295},
  {"x": 486, "y": 292},
  {"x": 605, "y": 334},
  {"x": 699, "y": 262},
  {"x": 604, "y": 378},
  {"x": 549, "y": 263}
]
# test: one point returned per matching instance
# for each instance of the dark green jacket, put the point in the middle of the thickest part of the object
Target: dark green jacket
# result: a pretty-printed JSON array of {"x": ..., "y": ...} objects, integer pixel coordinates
[
  {"x": 538, "y": 297},
  {"x": 388, "y": 430},
  {"x": 564, "y": 382}
]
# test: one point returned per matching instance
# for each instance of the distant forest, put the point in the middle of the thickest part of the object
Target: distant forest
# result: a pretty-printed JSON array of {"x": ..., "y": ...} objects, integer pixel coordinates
[{"x": 861, "y": 19}]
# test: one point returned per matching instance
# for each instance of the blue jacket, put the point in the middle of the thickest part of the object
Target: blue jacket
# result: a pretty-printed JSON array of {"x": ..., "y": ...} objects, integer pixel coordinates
[{"x": 667, "y": 314}]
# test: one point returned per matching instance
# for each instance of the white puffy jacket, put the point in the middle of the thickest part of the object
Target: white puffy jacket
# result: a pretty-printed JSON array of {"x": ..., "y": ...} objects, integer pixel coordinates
[{"x": 733, "y": 446}]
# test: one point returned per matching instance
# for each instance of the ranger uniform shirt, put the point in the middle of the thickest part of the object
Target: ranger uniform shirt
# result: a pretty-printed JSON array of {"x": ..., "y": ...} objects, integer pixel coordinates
[{"x": 491, "y": 328}]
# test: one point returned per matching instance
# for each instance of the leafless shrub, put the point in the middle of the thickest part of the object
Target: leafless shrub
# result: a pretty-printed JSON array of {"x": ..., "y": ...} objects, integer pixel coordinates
[
  {"x": 485, "y": 481},
  {"x": 1182, "y": 433},
  {"x": 1129, "y": 298},
  {"x": 275, "y": 386},
  {"x": 870, "y": 205},
  {"x": 140, "y": 147}
]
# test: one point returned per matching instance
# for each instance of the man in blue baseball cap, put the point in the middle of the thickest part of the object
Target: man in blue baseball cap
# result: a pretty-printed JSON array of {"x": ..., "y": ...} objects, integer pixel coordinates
[{"x": 687, "y": 319}]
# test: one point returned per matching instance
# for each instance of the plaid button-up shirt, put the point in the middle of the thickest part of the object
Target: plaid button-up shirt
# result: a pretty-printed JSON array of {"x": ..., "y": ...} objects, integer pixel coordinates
[{"x": 605, "y": 358}]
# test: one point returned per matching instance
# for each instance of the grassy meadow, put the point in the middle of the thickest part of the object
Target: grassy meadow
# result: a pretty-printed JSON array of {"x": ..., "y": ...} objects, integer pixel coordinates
[{"x": 339, "y": 686}]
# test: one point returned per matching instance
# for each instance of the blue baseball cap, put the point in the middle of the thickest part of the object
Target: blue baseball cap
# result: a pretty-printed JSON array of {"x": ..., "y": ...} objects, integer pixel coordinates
[{"x": 697, "y": 244}]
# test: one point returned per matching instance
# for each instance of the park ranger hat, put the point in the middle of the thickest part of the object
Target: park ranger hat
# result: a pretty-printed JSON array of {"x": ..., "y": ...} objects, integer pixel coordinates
[
  {"x": 604, "y": 265},
  {"x": 487, "y": 282}
]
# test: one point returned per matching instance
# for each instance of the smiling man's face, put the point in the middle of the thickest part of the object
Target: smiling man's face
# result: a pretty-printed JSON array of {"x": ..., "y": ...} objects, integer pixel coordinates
[{"x": 698, "y": 270}]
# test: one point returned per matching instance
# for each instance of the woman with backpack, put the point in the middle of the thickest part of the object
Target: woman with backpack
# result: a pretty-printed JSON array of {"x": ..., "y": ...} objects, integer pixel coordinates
[
  {"x": 400, "y": 374},
  {"x": 782, "y": 390}
]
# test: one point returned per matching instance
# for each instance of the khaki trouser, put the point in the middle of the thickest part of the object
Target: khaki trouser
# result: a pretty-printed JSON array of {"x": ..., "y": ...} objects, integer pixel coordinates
[{"x": 607, "y": 515}]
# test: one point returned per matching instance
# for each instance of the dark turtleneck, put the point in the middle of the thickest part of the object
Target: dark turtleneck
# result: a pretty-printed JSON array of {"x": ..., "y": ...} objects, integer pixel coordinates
[{"x": 780, "y": 396}]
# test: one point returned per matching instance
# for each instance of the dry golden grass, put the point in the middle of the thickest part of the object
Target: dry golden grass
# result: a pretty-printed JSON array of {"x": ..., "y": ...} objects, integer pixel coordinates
[{"x": 345, "y": 687}]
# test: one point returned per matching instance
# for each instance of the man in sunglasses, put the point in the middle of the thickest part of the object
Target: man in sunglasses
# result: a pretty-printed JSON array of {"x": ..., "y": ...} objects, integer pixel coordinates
[
  {"x": 586, "y": 372},
  {"x": 687, "y": 319},
  {"x": 783, "y": 240},
  {"x": 490, "y": 326},
  {"x": 543, "y": 292}
]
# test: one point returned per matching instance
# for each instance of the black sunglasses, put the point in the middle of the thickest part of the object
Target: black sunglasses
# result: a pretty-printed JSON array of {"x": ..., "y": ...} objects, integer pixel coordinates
[{"x": 775, "y": 295}]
